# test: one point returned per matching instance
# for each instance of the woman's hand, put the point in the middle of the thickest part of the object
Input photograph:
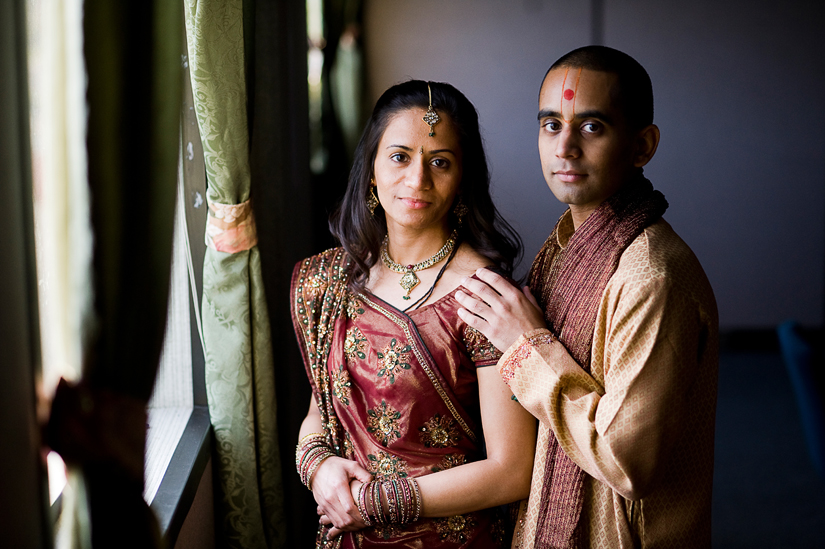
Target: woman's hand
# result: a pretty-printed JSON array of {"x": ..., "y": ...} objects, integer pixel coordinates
[
  {"x": 335, "y": 487},
  {"x": 335, "y": 531}
]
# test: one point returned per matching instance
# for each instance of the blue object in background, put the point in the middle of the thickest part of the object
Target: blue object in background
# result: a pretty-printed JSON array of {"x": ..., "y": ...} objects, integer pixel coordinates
[{"x": 804, "y": 365}]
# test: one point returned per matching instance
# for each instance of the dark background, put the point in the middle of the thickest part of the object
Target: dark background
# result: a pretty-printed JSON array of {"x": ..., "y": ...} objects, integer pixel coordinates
[{"x": 738, "y": 86}]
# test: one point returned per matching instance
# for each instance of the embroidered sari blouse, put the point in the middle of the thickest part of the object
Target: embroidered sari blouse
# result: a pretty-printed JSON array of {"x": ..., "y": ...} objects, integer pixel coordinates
[{"x": 401, "y": 393}]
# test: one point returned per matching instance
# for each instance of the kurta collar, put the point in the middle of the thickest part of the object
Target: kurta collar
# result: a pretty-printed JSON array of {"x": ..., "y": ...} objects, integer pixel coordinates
[{"x": 565, "y": 229}]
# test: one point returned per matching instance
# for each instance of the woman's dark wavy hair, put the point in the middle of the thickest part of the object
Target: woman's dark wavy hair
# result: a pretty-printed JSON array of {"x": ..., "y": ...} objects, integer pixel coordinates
[{"x": 483, "y": 228}]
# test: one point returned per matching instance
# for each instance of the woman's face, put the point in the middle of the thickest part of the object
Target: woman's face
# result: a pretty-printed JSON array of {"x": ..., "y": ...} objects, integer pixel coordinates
[{"x": 417, "y": 176}]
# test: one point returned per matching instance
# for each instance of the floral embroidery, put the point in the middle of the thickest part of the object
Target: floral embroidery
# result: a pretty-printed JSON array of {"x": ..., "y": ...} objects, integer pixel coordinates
[
  {"x": 383, "y": 423},
  {"x": 508, "y": 369},
  {"x": 315, "y": 285},
  {"x": 498, "y": 529},
  {"x": 439, "y": 432},
  {"x": 455, "y": 529},
  {"x": 386, "y": 531},
  {"x": 341, "y": 385},
  {"x": 393, "y": 360},
  {"x": 354, "y": 344},
  {"x": 354, "y": 307},
  {"x": 385, "y": 466},
  {"x": 478, "y": 346},
  {"x": 449, "y": 461},
  {"x": 349, "y": 451},
  {"x": 318, "y": 299},
  {"x": 542, "y": 338}
]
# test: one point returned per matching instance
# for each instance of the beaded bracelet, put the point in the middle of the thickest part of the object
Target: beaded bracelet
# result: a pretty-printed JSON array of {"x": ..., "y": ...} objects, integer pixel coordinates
[
  {"x": 392, "y": 501},
  {"x": 402, "y": 496},
  {"x": 362, "y": 504},
  {"x": 306, "y": 444},
  {"x": 318, "y": 457},
  {"x": 406, "y": 496},
  {"x": 377, "y": 506},
  {"x": 417, "y": 497},
  {"x": 310, "y": 452}
]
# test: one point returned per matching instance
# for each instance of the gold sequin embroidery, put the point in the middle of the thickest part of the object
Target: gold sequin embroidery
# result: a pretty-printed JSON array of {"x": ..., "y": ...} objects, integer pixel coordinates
[
  {"x": 393, "y": 360},
  {"x": 354, "y": 344},
  {"x": 341, "y": 385},
  {"x": 478, "y": 346},
  {"x": 449, "y": 461},
  {"x": 385, "y": 466},
  {"x": 383, "y": 423},
  {"x": 455, "y": 529},
  {"x": 439, "y": 432}
]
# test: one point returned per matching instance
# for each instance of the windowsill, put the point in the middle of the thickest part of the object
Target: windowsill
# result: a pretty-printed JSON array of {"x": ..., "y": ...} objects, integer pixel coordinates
[
  {"x": 178, "y": 467},
  {"x": 176, "y": 490},
  {"x": 166, "y": 426}
]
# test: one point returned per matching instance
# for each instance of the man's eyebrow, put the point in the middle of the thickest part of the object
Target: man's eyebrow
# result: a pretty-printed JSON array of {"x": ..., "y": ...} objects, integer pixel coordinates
[
  {"x": 547, "y": 113},
  {"x": 599, "y": 115},
  {"x": 595, "y": 114}
]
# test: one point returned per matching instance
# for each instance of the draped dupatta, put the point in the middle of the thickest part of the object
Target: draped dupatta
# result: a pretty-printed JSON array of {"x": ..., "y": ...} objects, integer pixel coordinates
[{"x": 318, "y": 299}]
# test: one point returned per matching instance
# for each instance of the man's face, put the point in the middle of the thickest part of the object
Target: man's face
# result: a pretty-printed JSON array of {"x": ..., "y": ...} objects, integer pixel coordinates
[{"x": 586, "y": 150}]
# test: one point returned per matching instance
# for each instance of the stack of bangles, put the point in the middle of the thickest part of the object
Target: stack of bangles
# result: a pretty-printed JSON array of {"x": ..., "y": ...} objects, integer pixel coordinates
[
  {"x": 403, "y": 501},
  {"x": 311, "y": 451}
]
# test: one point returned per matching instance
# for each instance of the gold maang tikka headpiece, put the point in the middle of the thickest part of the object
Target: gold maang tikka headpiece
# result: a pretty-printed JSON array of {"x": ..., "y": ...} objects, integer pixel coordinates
[{"x": 431, "y": 118}]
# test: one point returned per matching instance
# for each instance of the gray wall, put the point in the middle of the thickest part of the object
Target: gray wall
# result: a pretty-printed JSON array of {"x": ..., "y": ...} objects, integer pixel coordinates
[{"x": 739, "y": 100}]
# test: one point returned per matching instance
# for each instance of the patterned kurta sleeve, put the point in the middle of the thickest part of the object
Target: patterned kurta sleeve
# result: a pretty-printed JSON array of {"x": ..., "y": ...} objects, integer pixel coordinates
[{"x": 619, "y": 422}]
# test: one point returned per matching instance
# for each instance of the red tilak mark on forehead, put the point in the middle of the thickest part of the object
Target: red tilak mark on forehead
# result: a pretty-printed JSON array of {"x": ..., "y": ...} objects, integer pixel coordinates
[
  {"x": 568, "y": 94},
  {"x": 563, "y": 84}
]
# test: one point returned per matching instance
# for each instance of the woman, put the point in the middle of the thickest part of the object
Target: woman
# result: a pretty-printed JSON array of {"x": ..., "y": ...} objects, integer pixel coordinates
[{"x": 410, "y": 439}]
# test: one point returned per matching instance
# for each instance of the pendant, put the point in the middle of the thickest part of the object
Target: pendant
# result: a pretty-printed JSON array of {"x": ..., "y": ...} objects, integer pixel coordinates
[{"x": 408, "y": 282}]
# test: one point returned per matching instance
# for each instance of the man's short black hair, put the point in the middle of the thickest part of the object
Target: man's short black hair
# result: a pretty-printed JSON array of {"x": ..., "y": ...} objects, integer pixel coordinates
[{"x": 633, "y": 92}]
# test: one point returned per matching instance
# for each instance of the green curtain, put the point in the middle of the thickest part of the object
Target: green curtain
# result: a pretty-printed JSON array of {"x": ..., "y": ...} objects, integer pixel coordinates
[
  {"x": 240, "y": 377},
  {"x": 132, "y": 53}
]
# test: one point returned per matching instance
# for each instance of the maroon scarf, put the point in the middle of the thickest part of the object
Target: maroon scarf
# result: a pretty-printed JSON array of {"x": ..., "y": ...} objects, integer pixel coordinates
[{"x": 569, "y": 283}]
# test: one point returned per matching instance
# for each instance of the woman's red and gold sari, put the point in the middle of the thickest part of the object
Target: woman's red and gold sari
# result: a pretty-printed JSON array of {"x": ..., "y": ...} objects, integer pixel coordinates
[{"x": 398, "y": 393}]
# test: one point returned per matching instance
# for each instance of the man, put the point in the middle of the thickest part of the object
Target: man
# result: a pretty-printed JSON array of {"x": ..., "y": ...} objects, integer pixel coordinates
[{"x": 621, "y": 367}]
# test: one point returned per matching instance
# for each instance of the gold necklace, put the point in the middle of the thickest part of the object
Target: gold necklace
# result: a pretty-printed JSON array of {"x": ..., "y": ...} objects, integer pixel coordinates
[{"x": 409, "y": 280}]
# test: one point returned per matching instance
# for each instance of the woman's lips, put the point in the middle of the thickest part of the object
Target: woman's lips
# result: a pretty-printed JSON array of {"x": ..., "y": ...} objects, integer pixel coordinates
[
  {"x": 570, "y": 176},
  {"x": 414, "y": 203}
]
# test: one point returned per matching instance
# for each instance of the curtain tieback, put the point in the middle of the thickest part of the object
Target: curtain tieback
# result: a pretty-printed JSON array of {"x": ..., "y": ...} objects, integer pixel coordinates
[{"x": 230, "y": 228}]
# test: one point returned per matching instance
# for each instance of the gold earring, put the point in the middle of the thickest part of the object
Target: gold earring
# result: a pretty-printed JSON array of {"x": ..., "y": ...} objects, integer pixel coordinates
[
  {"x": 460, "y": 211},
  {"x": 372, "y": 200}
]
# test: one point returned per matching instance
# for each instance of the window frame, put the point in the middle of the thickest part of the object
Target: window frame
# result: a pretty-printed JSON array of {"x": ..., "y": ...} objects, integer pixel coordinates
[{"x": 185, "y": 471}]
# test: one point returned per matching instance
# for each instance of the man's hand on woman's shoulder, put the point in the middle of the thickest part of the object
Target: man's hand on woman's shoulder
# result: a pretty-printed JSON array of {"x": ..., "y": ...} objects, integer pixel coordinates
[{"x": 498, "y": 309}]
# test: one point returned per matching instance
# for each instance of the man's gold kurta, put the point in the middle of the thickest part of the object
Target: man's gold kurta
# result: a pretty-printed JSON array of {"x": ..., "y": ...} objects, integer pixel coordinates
[{"x": 641, "y": 424}]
